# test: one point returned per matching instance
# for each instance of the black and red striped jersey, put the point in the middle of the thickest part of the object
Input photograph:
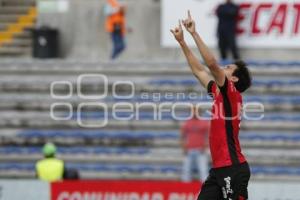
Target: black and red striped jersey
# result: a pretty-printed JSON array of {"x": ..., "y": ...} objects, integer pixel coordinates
[{"x": 225, "y": 124}]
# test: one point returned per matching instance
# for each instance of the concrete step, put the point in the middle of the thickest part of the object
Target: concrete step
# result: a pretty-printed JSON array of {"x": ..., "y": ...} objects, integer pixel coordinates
[
  {"x": 18, "y": 2},
  {"x": 8, "y": 18},
  {"x": 4, "y": 26},
  {"x": 14, "y": 9},
  {"x": 14, "y": 51},
  {"x": 26, "y": 34},
  {"x": 19, "y": 42}
]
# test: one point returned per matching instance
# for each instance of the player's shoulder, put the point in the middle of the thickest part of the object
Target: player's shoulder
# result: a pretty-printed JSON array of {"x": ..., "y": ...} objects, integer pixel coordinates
[
  {"x": 231, "y": 87},
  {"x": 233, "y": 92}
]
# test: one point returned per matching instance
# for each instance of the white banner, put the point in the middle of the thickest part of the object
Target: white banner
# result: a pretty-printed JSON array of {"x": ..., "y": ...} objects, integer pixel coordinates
[
  {"x": 50, "y": 6},
  {"x": 24, "y": 190},
  {"x": 277, "y": 190},
  {"x": 261, "y": 24}
]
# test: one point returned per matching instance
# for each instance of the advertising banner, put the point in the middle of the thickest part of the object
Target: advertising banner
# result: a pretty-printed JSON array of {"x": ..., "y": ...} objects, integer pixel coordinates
[
  {"x": 125, "y": 190},
  {"x": 162, "y": 190},
  {"x": 261, "y": 23}
]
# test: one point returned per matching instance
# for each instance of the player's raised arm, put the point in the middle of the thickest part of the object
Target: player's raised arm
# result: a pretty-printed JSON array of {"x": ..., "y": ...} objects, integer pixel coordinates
[
  {"x": 208, "y": 57},
  {"x": 197, "y": 68}
]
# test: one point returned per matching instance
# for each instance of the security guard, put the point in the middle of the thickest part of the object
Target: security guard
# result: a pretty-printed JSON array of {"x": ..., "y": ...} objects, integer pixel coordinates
[
  {"x": 227, "y": 14},
  {"x": 50, "y": 168}
]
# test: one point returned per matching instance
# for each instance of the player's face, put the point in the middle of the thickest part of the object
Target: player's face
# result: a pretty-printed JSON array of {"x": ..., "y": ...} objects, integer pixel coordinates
[{"x": 229, "y": 69}]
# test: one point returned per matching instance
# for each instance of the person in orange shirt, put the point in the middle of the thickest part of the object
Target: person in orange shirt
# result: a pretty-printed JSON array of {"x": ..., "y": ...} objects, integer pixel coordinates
[
  {"x": 194, "y": 139},
  {"x": 115, "y": 25}
]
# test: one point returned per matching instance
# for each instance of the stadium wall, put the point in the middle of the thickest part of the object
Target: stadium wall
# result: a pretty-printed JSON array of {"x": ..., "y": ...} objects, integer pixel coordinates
[{"x": 83, "y": 35}]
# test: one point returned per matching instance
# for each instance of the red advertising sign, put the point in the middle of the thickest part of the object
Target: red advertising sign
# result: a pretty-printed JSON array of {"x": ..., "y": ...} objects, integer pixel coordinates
[
  {"x": 124, "y": 190},
  {"x": 267, "y": 18}
]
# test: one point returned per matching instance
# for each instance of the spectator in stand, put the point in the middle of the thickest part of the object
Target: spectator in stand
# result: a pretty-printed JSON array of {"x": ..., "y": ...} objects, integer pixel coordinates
[
  {"x": 116, "y": 25},
  {"x": 194, "y": 139},
  {"x": 227, "y": 15},
  {"x": 50, "y": 168}
]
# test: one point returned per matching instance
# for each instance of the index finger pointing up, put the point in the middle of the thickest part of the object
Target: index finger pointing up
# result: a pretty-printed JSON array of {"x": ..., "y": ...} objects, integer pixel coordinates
[
  {"x": 189, "y": 14},
  {"x": 180, "y": 27}
]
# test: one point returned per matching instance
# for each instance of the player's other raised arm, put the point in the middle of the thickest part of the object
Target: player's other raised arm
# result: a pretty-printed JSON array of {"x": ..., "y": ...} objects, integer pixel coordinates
[
  {"x": 197, "y": 68},
  {"x": 207, "y": 56}
]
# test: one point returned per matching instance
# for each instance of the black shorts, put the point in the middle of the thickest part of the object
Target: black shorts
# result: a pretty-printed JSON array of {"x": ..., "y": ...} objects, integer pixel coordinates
[{"x": 229, "y": 183}]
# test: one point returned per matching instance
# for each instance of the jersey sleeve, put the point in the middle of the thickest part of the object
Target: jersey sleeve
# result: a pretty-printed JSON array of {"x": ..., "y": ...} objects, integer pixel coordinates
[{"x": 212, "y": 89}]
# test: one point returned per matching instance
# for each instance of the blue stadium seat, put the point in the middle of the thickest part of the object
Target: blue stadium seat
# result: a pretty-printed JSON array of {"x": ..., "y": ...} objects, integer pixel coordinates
[
  {"x": 270, "y": 137},
  {"x": 244, "y": 135},
  {"x": 272, "y": 63},
  {"x": 98, "y": 134},
  {"x": 256, "y": 82},
  {"x": 271, "y": 99},
  {"x": 168, "y": 116},
  {"x": 145, "y": 168}
]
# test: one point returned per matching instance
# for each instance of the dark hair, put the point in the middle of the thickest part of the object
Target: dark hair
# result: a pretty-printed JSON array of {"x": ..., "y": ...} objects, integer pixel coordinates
[{"x": 244, "y": 76}]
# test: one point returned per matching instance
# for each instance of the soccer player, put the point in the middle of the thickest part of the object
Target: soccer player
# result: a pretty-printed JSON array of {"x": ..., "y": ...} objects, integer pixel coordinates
[{"x": 228, "y": 179}]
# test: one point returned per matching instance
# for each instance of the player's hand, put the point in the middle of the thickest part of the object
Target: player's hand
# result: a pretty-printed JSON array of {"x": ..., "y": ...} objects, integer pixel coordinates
[
  {"x": 178, "y": 33},
  {"x": 189, "y": 23}
]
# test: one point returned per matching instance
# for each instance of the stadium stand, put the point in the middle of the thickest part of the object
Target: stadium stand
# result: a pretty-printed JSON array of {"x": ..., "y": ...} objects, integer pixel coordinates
[
  {"x": 17, "y": 18},
  {"x": 137, "y": 149}
]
